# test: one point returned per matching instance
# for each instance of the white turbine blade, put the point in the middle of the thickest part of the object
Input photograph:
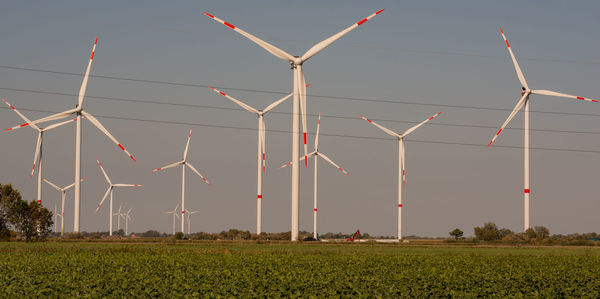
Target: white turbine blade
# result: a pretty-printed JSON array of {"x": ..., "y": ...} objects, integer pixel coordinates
[
  {"x": 272, "y": 49},
  {"x": 86, "y": 77},
  {"x": 517, "y": 68},
  {"x": 187, "y": 145},
  {"x": 242, "y": 104},
  {"x": 563, "y": 95},
  {"x": 332, "y": 163},
  {"x": 420, "y": 124},
  {"x": 27, "y": 121},
  {"x": 100, "y": 127},
  {"x": 72, "y": 185},
  {"x": 300, "y": 159},
  {"x": 388, "y": 131},
  {"x": 322, "y": 45},
  {"x": 520, "y": 104},
  {"x": 168, "y": 166},
  {"x": 103, "y": 198},
  {"x": 197, "y": 172},
  {"x": 56, "y": 125},
  {"x": 303, "y": 111},
  {"x": 276, "y": 103},
  {"x": 317, "y": 134},
  {"x": 37, "y": 153},
  {"x": 128, "y": 185},
  {"x": 104, "y": 172},
  {"x": 120, "y": 206},
  {"x": 51, "y": 184},
  {"x": 129, "y": 210},
  {"x": 129, "y": 217}
]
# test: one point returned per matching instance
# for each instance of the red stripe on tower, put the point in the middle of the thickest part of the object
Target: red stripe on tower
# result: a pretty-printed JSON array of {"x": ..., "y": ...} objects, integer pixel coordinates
[
  {"x": 400, "y": 205},
  {"x": 182, "y": 212},
  {"x": 259, "y": 196},
  {"x": 527, "y": 191},
  {"x": 315, "y": 210}
]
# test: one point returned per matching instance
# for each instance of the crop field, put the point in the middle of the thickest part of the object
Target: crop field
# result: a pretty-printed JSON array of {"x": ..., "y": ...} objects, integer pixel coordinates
[{"x": 89, "y": 269}]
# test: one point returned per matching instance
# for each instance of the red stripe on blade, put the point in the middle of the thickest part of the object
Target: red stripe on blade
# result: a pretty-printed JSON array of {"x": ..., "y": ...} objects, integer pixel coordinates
[
  {"x": 132, "y": 158},
  {"x": 361, "y": 21},
  {"x": 25, "y": 124},
  {"x": 222, "y": 93},
  {"x": 580, "y": 98},
  {"x": 229, "y": 25},
  {"x": 121, "y": 147},
  {"x": 499, "y": 132},
  {"x": 92, "y": 56},
  {"x": 508, "y": 45},
  {"x": 304, "y": 137}
]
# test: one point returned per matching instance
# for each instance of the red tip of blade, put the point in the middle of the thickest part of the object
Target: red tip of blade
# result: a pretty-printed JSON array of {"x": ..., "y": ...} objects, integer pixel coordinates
[
  {"x": 96, "y": 40},
  {"x": 490, "y": 143},
  {"x": 211, "y": 87},
  {"x": 307, "y": 85},
  {"x": 594, "y": 101},
  {"x": 501, "y": 30},
  {"x": 229, "y": 25},
  {"x": 306, "y": 161},
  {"x": 209, "y": 15},
  {"x": 85, "y": 178},
  {"x": 379, "y": 11},
  {"x": 132, "y": 158}
]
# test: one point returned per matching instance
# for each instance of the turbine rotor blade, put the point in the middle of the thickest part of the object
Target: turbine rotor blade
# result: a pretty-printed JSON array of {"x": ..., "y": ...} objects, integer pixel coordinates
[
  {"x": 276, "y": 103},
  {"x": 128, "y": 185},
  {"x": 322, "y": 45},
  {"x": 104, "y": 172},
  {"x": 168, "y": 166},
  {"x": 56, "y": 125},
  {"x": 36, "y": 156},
  {"x": 332, "y": 163},
  {"x": 272, "y": 49},
  {"x": 197, "y": 172},
  {"x": 516, "y": 64},
  {"x": 100, "y": 127},
  {"x": 86, "y": 77},
  {"x": 187, "y": 145},
  {"x": 300, "y": 159},
  {"x": 317, "y": 134},
  {"x": 562, "y": 95},
  {"x": 51, "y": 184},
  {"x": 420, "y": 124},
  {"x": 388, "y": 131},
  {"x": 27, "y": 121},
  {"x": 72, "y": 185},
  {"x": 242, "y": 104},
  {"x": 512, "y": 114},
  {"x": 103, "y": 198}
]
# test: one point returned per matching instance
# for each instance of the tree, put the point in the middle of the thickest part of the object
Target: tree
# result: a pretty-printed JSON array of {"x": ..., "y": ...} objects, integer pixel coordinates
[
  {"x": 456, "y": 233},
  {"x": 542, "y": 232},
  {"x": 31, "y": 219},
  {"x": 530, "y": 233},
  {"x": 503, "y": 232},
  {"x": 488, "y": 232},
  {"x": 178, "y": 235}
]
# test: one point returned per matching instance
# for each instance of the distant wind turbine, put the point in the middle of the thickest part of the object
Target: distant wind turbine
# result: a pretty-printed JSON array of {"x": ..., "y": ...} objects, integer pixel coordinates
[
  {"x": 63, "y": 192},
  {"x": 175, "y": 214}
]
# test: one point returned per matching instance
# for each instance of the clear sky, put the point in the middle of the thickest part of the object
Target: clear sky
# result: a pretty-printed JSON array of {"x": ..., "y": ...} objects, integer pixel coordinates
[{"x": 415, "y": 59}]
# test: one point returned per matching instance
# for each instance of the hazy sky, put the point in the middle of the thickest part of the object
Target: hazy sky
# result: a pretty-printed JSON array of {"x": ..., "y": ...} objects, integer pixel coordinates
[{"x": 415, "y": 59}]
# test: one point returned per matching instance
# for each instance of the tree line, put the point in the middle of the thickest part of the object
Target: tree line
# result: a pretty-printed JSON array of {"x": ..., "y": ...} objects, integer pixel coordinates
[{"x": 22, "y": 219}]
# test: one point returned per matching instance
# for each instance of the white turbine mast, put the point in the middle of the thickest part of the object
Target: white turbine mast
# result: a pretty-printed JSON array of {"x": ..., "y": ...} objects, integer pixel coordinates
[
  {"x": 316, "y": 154},
  {"x": 189, "y": 214},
  {"x": 175, "y": 214},
  {"x": 63, "y": 192},
  {"x": 110, "y": 189},
  {"x": 401, "y": 162},
  {"x": 183, "y": 164},
  {"x": 524, "y": 102},
  {"x": 299, "y": 103}
]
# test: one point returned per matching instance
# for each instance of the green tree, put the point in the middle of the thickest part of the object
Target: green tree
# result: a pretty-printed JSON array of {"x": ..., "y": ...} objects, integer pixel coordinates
[
  {"x": 488, "y": 232},
  {"x": 32, "y": 220},
  {"x": 530, "y": 233},
  {"x": 542, "y": 232},
  {"x": 456, "y": 233},
  {"x": 178, "y": 235}
]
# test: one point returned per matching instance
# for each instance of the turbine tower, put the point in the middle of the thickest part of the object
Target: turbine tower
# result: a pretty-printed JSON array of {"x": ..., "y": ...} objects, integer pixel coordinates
[
  {"x": 37, "y": 158},
  {"x": 261, "y": 148},
  {"x": 110, "y": 189},
  {"x": 79, "y": 112},
  {"x": 316, "y": 153},
  {"x": 189, "y": 214},
  {"x": 401, "y": 162},
  {"x": 524, "y": 102},
  {"x": 299, "y": 103},
  {"x": 175, "y": 214},
  {"x": 183, "y": 164}
]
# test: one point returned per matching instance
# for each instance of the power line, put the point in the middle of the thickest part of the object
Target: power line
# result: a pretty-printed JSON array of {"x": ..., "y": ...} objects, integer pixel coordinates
[
  {"x": 325, "y": 134},
  {"x": 404, "y": 101},
  {"x": 288, "y": 113}
]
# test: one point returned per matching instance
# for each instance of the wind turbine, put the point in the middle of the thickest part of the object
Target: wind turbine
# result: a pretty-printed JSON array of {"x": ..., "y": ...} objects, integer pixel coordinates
[
  {"x": 127, "y": 218},
  {"x": 79, "y": 112},
  {"x": 63, "y": 192},
  {"x": 261, "y": 148},
  {"x": 183, "y": 164},
  {"x": 316, "y": 153},
  {"x": 110, "y": 189},
  {"x": 189, "y": 214},
  {"x": 119, "y": 215},
  {"x": 296, "y": 63},
  {"x": 175, "y": 214},
  {"x": 38, "y": 148},
  {"x": 401, "y": 162},
  {"x": 524, "y": 102}
]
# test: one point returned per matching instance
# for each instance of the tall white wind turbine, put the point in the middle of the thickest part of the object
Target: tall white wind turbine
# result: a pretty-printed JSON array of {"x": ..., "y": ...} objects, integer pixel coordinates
[
  {"x": 189, "y": 214},
  {"x": 261, "y": 147},
  {"x": 37, "y": 158},
  {"x": 110, "y": 189},
  {"x": 316, "y": 153},
  {"x": 296, "y": 63},
  {"x": 524, "y": 102},
  {"x": 401, "y": 162},
  {"x": 119, "y": 216},
  {"x": 79, "y": 112},
  {"x": 183, "y": 164},
  {"x": 127, "y": 218},
  {"x": 175, "y": 214},
  {"x": 63, "y": 192}
]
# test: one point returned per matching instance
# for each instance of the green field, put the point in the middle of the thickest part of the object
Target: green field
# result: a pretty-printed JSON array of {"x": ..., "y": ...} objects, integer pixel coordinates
[{"x": 89, "y": 269}]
